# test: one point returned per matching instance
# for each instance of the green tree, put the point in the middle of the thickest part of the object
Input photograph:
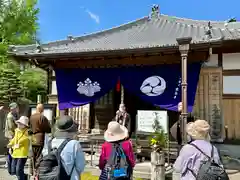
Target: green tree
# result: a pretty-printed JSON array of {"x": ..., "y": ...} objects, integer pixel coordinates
[
  {"x": 18, "y": 26},
  {"x": 33, "y": 81}
]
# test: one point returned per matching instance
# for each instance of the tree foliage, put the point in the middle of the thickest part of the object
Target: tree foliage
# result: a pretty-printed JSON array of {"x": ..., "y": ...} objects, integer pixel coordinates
[{"x": 18, "y": 26}]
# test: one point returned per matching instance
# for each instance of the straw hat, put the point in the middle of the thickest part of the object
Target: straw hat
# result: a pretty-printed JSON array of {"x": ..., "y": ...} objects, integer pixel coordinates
[
  {"x": 115, "y": 132},
  {"x": 65, "y": 126},
  {"x": 23, "y": 120},
  {"x": 198, "y": 130}
]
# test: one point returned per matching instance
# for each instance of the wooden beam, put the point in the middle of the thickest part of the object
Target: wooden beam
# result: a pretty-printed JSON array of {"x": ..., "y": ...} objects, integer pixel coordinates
[
  {"x": 49, "y": 81},
  {"x": 220, "y": 59},
  {"x": 231, "y": 72},
  {"x": 228, "y": 47},
  {"x": 231, "y": 96},
  {"x": 130, "y": 61}
]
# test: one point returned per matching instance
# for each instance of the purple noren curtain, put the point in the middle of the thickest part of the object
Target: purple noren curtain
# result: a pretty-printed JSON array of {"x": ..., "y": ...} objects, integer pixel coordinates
[
  {"x": 77, "y": 87},
  {"x": 161, "y": 85}
]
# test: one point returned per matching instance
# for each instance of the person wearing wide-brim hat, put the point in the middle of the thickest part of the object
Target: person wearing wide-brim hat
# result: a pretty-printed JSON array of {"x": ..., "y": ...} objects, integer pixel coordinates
[
  {"x": 19, "y": 146},
  {"x": 72, "y": 155},
  {"x": 115, "y": 134},
  {"x": 190, "y": 157}
]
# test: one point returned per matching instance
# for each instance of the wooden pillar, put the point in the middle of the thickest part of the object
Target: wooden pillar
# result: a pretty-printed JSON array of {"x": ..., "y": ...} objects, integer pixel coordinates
[
  {"x": 184, "y": 44},
  {"x": 39, "y": 99}
]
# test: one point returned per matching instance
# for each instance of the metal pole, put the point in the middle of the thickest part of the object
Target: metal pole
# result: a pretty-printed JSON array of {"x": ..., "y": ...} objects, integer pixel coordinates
[
  {"x": 122, "y": 94},
  {"x": 184, "y": 45}
]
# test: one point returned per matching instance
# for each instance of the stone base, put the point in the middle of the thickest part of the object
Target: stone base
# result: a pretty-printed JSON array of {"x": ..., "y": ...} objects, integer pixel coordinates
[{"x": 96, "y": 131}]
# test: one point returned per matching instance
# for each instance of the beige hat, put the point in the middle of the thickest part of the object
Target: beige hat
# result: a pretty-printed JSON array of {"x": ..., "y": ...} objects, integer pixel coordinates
[
  {"x": 115, "y": 132},
  {"x": 23, "y": 120},
  {"x": 198, "y": 130}
]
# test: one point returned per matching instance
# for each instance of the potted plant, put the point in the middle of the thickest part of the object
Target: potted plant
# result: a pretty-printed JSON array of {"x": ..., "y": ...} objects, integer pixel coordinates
[
  {"x": 158, "y": 138},
  {"x": 158, "y": 141}
]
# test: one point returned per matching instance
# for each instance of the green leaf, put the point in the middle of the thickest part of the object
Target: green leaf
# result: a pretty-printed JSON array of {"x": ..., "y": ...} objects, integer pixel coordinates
[{"x": 18, "y": 26}]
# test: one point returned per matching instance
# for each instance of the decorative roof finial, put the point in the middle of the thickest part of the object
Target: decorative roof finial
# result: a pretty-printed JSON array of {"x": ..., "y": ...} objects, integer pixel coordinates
[
  {"x": 155, "y": 11},
  {"x": 233, "y": 19},
  {"x": 38, "y": 47},
  {"x": 70, "y": 37},
  {"x": 208, "y": 32}
]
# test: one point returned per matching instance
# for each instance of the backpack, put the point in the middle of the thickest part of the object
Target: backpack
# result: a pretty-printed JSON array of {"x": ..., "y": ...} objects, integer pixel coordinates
[
  {"x": 209, "y": 169},
  {"x": 117, "y": 166},
  {"x": 50, "y": 167}
]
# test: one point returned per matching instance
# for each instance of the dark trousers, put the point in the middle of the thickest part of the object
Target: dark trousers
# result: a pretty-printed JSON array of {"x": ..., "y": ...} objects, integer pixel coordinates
[
  {"x": 9, "y": 163},
  {"x": 37, "y": 152},
  {"x": 17, "y": 167}
]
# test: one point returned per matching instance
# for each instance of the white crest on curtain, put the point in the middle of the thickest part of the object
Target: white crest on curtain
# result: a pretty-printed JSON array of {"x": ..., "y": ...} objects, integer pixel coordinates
[
  {"x": 88, "y": 88},
  {"x": 153, "y": 86}
]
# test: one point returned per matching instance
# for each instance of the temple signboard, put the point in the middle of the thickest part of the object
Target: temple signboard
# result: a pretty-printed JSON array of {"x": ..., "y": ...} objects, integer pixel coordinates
[{"x": 145, "y": 121}]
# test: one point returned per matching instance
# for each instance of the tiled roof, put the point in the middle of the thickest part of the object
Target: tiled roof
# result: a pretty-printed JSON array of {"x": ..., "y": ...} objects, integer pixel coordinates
[{"x": 142, "y": 33}]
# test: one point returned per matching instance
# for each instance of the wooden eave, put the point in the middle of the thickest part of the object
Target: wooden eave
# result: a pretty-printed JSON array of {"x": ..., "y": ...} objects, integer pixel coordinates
[
  {"x": 150, "y": 57},
  {"x": 43, "y": 60},
  {"x": 230, "y": 46},
  {"x": 139, "y": 56}
]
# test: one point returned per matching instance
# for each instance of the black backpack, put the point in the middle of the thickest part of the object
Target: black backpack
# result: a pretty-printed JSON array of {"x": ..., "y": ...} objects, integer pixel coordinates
[
  {"x": 118, "y": 167},
  {"x": 209, "y": 169},
  {"x": 50, "y": 166}
]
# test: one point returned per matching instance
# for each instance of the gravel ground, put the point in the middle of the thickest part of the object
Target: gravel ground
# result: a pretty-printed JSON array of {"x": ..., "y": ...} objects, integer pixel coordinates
[{"x": 233, "y": 174}]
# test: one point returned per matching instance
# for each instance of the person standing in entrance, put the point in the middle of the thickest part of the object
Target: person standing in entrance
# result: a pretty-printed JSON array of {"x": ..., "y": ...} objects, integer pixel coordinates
[
  {"x": 10, "y": 126},
  {"x": 39, "y": 125},
  {"x": 123, "y": 118},
  {"x": 176, "y": 128}
]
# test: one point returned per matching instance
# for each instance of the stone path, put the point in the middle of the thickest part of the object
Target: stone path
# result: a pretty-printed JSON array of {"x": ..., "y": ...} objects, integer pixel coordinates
[{"x": 233, "y": 174}]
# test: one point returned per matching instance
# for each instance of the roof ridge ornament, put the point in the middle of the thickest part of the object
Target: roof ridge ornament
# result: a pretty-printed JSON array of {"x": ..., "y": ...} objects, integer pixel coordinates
[
  {"x": 208, "y": 32},
  {"x": 155, "y": 12},
  {"x": 70, "y": 37},
  {"x": 39, "y": 48}
]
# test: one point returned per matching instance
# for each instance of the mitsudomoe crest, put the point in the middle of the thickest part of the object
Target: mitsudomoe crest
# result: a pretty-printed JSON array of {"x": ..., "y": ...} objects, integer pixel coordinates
[{"x": 153, "y": 86}]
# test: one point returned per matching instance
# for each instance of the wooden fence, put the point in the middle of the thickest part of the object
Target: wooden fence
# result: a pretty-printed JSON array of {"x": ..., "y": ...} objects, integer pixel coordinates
[{"x": 81, "y": 116}]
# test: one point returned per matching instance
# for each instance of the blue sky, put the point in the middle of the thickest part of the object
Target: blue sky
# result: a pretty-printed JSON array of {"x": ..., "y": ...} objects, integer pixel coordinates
[{"x": 59, "y": 18}]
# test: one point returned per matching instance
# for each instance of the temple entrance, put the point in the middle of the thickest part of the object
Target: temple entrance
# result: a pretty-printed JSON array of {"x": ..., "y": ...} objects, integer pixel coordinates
[{"x": 134, "y": 103}]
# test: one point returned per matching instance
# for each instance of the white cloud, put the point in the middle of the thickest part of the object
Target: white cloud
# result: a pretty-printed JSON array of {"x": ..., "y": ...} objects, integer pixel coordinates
[{"x": 92, "y": 15}]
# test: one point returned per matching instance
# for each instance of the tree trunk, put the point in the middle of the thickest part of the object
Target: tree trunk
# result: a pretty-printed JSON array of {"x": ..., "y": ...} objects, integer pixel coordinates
[{"x": 157, "y": 166}]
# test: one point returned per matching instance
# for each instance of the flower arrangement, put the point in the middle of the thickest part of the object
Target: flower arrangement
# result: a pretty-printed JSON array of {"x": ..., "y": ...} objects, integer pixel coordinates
[{"x": 158, "y": 138}]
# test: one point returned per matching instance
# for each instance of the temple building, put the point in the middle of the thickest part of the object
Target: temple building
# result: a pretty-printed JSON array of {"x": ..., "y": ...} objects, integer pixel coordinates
[{"x": 149, "y": 42}]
